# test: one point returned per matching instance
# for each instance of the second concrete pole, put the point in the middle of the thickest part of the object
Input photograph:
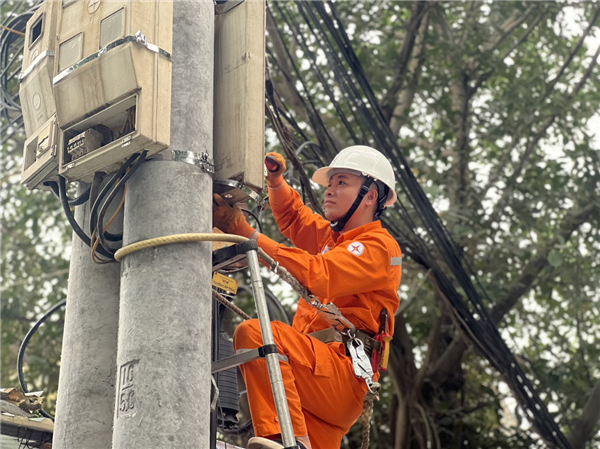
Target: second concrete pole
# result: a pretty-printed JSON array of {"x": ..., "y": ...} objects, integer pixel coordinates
[{"x": 164, "y": 350}]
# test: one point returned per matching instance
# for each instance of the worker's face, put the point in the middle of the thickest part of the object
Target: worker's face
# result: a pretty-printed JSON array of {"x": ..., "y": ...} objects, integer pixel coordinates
[{"x": 341, "y": 193}]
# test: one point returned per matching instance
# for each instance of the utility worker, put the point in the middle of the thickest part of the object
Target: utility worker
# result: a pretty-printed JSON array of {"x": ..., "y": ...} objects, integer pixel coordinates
[{"x": 347, "y": 259}]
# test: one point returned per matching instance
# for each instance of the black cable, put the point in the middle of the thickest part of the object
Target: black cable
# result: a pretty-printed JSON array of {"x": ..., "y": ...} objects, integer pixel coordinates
[
  {"x": 317, "y": 72},
  {"x": 24, "y": 344},
  {"x": 62, "y": 190},
  {"x": 259, "y": 224},
  {"x": 109, "y": 198},
  {"x": 313, "y": 112},
  {"x": 109, "y": 185},
  {"x": 62, "y": 195},
  {"x": 78, "y": 201}
]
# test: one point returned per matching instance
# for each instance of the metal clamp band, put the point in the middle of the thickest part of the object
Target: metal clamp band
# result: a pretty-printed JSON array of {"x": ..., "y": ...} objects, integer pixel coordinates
[
  {"x": 139, "y": 38},
  {"x": 248, "y": 191},
  {"x": 200, "y": 160},
  {"x": 34, "y": 64}
]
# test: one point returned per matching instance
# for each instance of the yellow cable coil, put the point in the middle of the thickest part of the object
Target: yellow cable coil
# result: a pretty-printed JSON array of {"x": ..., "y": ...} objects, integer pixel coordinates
[
  {"x": 214, "y": 237},
  {"x": 177, "y": 238}
]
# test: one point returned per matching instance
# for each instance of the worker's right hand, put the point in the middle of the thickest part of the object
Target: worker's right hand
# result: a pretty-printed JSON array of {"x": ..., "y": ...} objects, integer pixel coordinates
[
  {"x": 275, "y": 164},
  {"x": 229, "y": 219}
]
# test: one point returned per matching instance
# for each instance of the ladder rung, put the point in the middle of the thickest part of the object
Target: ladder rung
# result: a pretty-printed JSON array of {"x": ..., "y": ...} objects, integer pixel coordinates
[
  {"x": 223, "y": 445},
  {"x": 235, "y": 360}
]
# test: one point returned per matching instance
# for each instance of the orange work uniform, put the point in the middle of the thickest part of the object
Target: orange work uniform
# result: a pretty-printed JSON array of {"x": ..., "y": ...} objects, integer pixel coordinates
[{"x": 359, "y": 271}]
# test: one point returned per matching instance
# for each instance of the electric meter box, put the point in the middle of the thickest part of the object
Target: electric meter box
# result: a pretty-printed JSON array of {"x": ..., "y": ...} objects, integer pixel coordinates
[
  {"x": 113, "y": 80},
  {"x": 40, "y": 159},
  {"x": 239, "y": 100},
  {"x": 35, "y": 90}
]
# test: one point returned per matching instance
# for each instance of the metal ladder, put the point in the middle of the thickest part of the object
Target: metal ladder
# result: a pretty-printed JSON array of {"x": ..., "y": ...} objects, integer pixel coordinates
[{"x": 227, "y": 256}]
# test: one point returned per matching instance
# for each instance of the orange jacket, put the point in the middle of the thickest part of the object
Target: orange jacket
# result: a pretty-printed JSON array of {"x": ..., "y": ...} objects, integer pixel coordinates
[{"x": 359, "y": 271}]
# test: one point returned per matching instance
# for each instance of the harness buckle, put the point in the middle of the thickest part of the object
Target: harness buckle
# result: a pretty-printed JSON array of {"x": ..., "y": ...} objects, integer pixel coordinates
[{"x": 360, "y": 360}]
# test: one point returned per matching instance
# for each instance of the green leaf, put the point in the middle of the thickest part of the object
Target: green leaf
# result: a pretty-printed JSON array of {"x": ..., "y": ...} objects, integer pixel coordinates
[{"x": 555, "y": 258}]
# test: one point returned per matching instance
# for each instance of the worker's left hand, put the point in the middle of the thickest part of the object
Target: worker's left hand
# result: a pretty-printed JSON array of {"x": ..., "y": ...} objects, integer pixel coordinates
[
  {"x": 229, "y": 219},
  {"x": 275, "y": 164}
]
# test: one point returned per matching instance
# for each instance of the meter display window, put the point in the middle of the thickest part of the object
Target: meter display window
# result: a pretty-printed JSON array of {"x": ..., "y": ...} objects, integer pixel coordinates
[
  {"x": 70, "y": 51},
  {"x": 37, "y": 29},
  {"x": 112, "y": 28}
]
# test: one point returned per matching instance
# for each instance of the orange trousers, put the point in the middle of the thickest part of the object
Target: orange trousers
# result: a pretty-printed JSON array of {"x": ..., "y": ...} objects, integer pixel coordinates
[{"x": 324, "y": 396}]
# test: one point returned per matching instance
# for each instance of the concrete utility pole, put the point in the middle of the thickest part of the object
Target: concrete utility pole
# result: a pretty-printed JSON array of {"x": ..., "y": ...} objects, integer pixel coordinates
[
  {"x": 164, "y": 359},
  {"x": 86, "y": 387}
]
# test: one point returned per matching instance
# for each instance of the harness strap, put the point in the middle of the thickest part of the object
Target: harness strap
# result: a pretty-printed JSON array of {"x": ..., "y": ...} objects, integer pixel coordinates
[
  {"x": 331, "y": 335},
  {"x": 337, "y": 226}
]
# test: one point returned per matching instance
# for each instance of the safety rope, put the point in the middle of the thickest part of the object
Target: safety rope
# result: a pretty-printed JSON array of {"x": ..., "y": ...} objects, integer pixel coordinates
[
  {"x": 285, "y": 276},
  {"x": 230, "y": 305},
  {"x": 365, "y": 419}
]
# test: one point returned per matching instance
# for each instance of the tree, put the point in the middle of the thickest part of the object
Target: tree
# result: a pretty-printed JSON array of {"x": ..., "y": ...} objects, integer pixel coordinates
[
  {"x": 491, "y": 104},
  {"x": 35, "y": 245}
]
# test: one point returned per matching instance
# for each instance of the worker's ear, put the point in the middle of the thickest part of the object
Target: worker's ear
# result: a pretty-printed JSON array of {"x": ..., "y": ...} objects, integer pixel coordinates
[{"x": 371, "y": 197}]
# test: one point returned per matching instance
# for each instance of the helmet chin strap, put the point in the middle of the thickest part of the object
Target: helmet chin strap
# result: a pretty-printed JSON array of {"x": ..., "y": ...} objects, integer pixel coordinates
[{"x": 338, "y": 225}]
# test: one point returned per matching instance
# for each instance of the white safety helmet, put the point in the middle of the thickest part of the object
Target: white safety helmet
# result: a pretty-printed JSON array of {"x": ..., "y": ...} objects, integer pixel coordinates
[{"x": 366, "y": 160}]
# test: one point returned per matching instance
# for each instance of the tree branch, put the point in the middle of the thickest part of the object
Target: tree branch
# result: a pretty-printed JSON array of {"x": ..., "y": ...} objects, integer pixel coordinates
[
  {"x": 402, "y": 360},
  {"x": 406, "y": 98},
  {"x": 389, "y": 100},
  {"x": 461, "y": 96},
  {"x": 552, "y": 83},
  {"x": 530, "y": 28},
  {"x": 432, "y": 350},
  {"x": 508, "y": 27},
  {"x": 469, "y": 9},
  {"x": 448, "y": 361},
  {"x": 583, "y": 430},
  {"x": 522, "y": 284},
  {"x": 532, "y": 143},
  {"x": 481, "y": 79}
]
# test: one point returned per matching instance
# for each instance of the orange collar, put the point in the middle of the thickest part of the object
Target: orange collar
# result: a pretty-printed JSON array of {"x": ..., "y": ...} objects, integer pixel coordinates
[{"x": 352, "y": 234}]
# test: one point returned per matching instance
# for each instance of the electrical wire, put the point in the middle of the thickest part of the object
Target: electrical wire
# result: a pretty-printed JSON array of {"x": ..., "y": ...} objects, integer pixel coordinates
[
  {"x": 78, "y": 201},
  {"x": 62, "y": 189},
  {"x": 111, "y": 195},
  {"x": 253, "y": 215},
  {"x": 95, "y": 238},
  {"x": 321, "y": 19},
  {"x": 25, "y": 343},
  {"x": 110, "y": 184}
]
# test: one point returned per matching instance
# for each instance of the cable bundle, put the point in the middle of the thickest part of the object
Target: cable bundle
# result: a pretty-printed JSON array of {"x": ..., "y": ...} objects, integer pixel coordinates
[{"x": 364, "y": 113}]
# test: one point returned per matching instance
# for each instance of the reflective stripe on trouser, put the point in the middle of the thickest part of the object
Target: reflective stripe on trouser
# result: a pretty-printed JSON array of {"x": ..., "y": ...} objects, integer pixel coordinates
[{"x": 324, "y": 396}]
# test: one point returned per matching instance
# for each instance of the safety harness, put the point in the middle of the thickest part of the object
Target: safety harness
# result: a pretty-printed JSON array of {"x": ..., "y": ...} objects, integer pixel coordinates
[
  {"x": 369, "y": 353},
  {"x": 363, "y": 348},
  {"x": 340, "y": 325}
]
